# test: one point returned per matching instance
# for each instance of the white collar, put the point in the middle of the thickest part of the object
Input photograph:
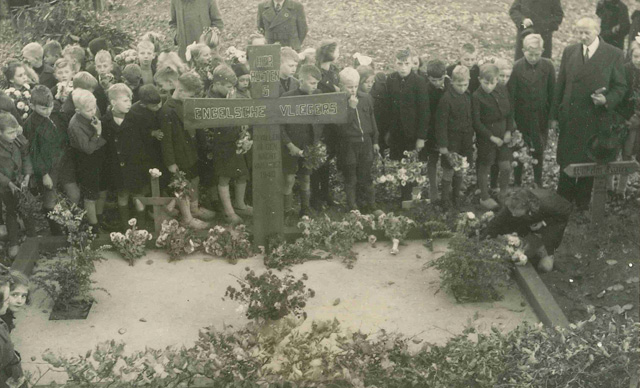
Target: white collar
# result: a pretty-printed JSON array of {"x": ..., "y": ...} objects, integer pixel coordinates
[
  {"x": 592, "y": 47},
  {"x": 276, "y": 3}
]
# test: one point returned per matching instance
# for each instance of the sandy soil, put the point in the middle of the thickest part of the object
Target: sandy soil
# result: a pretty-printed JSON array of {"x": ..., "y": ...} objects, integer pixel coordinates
[{"x": 162, "y": 303}]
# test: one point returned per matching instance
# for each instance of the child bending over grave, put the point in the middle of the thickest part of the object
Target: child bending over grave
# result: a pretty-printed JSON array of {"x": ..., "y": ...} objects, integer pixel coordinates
[
  {"x": 15, "y": 171},
  {"x": 358, "y": 140},
  {"x": 179, "y": 149},
  {"x": 12, "y": 375},
  {"x": 127, "y": 165},
  {"x": 50, "y": 155},
  {"x": 18, "y": 297},
  {"x": 294, "y": 139},
  {"x": 454, "y": 133},
  {"x": 493, "y": 123},
  {"x": 85, "y": 138},
  {"x": 539, "y": 216},
  {"x": 228, "y": 164}
]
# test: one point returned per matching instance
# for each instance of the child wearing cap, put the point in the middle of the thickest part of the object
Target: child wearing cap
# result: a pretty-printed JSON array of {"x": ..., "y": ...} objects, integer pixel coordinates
[
  {"x": 132, "y": 77},
  {"x": 244, "y": 80},
  {"x": 33, "y": 55},
  {"x": 228, "y": 164}
]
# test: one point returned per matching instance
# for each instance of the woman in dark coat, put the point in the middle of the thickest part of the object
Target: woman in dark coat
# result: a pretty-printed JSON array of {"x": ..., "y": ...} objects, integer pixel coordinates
[
  {"x": 539, "y": 216},
  {"x": 542, "y": 16},
  {"x": 614, "y": 22}
]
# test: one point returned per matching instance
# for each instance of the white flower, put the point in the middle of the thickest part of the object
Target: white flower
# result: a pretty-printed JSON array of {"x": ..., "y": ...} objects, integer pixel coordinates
[
  {"x": 26, "y": 108},
  {"x": 24, "y": 116},
  {"x": 20, "y": 105},
  {"x": 27, "y": 94},
  {"x": 155, "y": 173},
  {"x": 10, "y": 90},
  {"x": 17, "y": 93},
  {"x": 471, "y": 216},
  {"x": 132, "y": 222},
  {"x": 382, "y": 179},
  {"x": 513, "y": 240}
]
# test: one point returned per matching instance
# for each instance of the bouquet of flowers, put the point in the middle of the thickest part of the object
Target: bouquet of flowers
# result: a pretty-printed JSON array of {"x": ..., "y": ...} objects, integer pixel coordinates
[
  {"x": 458, "y": 162},
  {"x": 155, "y": 173},
  {"x": 29, "y": 206},
  {"x": 64, "y": 89},
  {"x": 314, "y": 155},
  {"x": 521, "y": 152},
  {"x": 177, "y": 239},
  {"x": 21, "y": 97},
  {"x": 70, "y": 217},
  {"x": 396, "y": 228},
  {"x": 408, "y": 170},
  {"x": 470, "y": 225},
  {"x": 131, "y": 245},
  {"x": 181, "y": 186},
  {"x": 517, "y": 140},
  {"x": 244, "y": 143},
  {"x": 514, "y": 247},
  {"x": 233, "y": 243},
  {"x": 234, "y": 55},
  {"x": 126, "y": 57},
  {"x": 106, "y": 80}
]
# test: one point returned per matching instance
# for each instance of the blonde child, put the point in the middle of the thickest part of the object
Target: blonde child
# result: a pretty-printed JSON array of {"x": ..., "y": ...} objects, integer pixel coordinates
[
  {"x": 63, "y": 70},
  {"x": 228, "y": 164},
  {"x": 147, "y": 58},
  {"x": 294, "y": 139},
  {"x": 104, "y": 69},
  {"x": 179, "y": 148},
  {"x": 288, "y": 66},
  {"x": 198, "y": 57},
  {"x": 33, "y": 55},
  {"x": 88, "y": 145},
  {"x": 468, "y": 59},
  {"x": 81, "y": 80},
  {"x": 493, "y": 123},
  {"x": 77, "y": 54}
]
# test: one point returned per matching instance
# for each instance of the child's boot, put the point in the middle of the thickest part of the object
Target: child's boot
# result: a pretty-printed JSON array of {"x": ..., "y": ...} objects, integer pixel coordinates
[
  {"x": 225, "y": 198},
  {"x": 240, "y": 206},
  {"x": 456, "y": 186},
  {"x": 200, "y": 212},
  {"x": 446, "y": 194},
  {"x": 304, "y": 202}
]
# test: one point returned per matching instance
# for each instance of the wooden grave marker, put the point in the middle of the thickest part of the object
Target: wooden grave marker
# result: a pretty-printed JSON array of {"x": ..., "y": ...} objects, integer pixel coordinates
[
  {"x": 160, "y": 204},
  {"x": 266, "y": 112},
  {"x": 600, "y": 172}
]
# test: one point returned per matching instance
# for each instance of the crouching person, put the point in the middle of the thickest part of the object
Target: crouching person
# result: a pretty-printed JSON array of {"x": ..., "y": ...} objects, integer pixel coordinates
[{"x": 539, "y": 216}]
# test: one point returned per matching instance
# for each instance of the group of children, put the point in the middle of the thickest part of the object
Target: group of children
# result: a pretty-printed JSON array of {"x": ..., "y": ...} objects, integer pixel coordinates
[{"x": 79, "y": 123}]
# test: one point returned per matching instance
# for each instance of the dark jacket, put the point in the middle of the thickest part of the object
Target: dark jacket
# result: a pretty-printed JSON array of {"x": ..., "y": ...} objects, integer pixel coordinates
[
  {"x": 330, "y": 79},
  {"x": 579, "y": 119},
  {"x": 546, "y": 15},
  {"x": 289, "y": 84},
  {"x": 10, "y": 365},
  {"x": 474, "y": 73},
  {"x": 613, "y": 13},
  {"x": 47, "y": 143},
  {"x": 453, "y": 119},
  {"x": 435, "y": 94},
  {"x": 145, "y": 122},
  {"x": 300, "y": 135},
  {"x": 492, "y": 113},
  {"x": 178, "y": 144},
  {"x": 14, "y": 160},
  {"x": 288, "y": 27},
  {"x": 362, "y": 122},
  {"x": 406, "y": 107},
  {"x": 127, "y": 164},
  {"x": 45, "y": 76},
  {"x": 629, "y": 104},
  {"x": 554, "y": 211},
  {"x": 7, "y": 105}
]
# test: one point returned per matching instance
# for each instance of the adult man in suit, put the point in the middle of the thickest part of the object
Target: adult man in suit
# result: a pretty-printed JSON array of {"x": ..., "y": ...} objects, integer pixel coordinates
[
  {"x": 283, "y": 21},
  {"x": 590, "y": 85},
  {"x": 540, "y": 16}
]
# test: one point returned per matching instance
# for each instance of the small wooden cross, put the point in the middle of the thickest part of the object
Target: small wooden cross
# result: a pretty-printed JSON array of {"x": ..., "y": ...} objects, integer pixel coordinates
[
  {"x": 266, "y": 112},
  {"x": 160, "y": 204},
  {"x": 600, "y": 172}
]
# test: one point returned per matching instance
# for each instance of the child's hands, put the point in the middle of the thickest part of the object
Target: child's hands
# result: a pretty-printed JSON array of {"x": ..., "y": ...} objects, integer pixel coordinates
[
  {"x": 14, "y": 189},
  {"x": 527, "y": 22},
  {"x": 173, "y": 168},
  {"x": 507, "y": 137},
  {"x": 497, "y": 141},
  {"x": 376, "y": 149},
  {"x": 615, "y": 29},
  {"x": 293, "y": 150},
  {"x": 444, "y": 150},
  {"x": 353, "y": 102},
  {"x": 25, "y": 181},
  {"x": 95, "y": 123},
  {"x": 419, "y": 144},
  {"x": 47, "y": 181},
  {"x": 157, "y": 134},
  {"x": 553, "y": 124}
]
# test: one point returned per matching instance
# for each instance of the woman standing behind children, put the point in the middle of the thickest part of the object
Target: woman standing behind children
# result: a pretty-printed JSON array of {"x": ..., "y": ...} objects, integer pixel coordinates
[
  {"x": 228, "y": 164},
  {"x": 493, "y": 123}
]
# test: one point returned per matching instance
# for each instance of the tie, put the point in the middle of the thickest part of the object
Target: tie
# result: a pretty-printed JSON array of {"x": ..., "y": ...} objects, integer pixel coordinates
[
  {"x": 278, "y": 7},
  {"x": 586, "y": 54}
]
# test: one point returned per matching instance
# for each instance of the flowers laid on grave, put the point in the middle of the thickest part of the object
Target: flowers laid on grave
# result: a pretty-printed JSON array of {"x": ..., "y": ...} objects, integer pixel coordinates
[
  {"x": 132, "y": 244},
  {"x": 177, "y": 240},
  {"x": 515, "y": 247},
  {"x": 70, "y": 217},
  {"x": 474, "y": 270},
  {"x": 269, "y": 297},
  {"x": 471, "y": 225},
  {"x": 232, "y": 243},
  {"x": 408, "y": 170},
  {"x": 180, "y": 184},
  {"x": 314, "y": 156},
  {"x": 458, "y": 162},
  {"x": 396, "y": 228},
  {"x": 433, "y": 220},
  {"x": 244, "y": 142},
  {"x": 29, "y": 206},
  {"x": 126, "y": 57},
  {"x": 521, "y": 152}
]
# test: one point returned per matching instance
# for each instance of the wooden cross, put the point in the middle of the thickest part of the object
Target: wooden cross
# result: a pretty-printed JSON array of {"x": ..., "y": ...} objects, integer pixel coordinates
[
  {"x": 266, "y": 112},
  {"x": 600, "y": 172},
  {"x": 161, "y": 205}
]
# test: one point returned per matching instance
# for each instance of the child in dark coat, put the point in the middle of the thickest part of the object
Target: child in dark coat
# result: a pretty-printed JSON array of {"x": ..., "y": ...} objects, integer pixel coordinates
[
  {"x": 407, "y": 112},
  {"x": 438, "y": 83},
  {"x": 531, "y": 89},
  {"x": 358, "y": 140},
  {"x": 539, "y": 216},
  {"x": 127, "y": 165},
  {"x": 469, "y": 59},
  {"x": 288, "y": 66},
  {"x": 294, "y": 139},
  {"x": 228, "y": 164},
  {"x": 50, "y": 154},
  {"x": 454, "y": 132},
  {"x": 179, "y": 149},
  {"x": 493, "y": 123}
]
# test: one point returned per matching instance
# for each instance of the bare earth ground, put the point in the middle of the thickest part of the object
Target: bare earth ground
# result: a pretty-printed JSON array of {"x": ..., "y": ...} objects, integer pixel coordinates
[{"x": 177, "y": 299}]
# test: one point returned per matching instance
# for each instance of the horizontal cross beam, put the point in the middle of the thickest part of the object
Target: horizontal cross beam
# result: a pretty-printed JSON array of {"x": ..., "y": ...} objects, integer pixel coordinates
[
  {"x": 580, "y": 170},
  {"x": 328, "y": 108}
]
